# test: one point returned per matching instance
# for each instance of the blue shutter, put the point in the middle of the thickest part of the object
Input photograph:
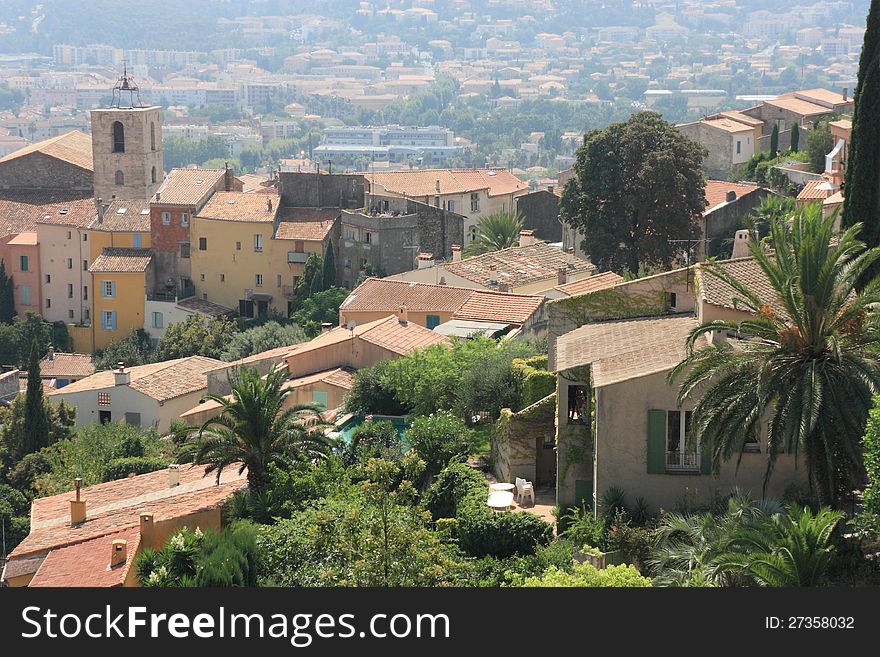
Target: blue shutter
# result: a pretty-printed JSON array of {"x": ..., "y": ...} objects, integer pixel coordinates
[
  {"x": 113, "y": 289},
  {"x": 320, "y": 398},
  {"x": 113, "y": 320},
  {"x": 432, "y": 321},
  {"x": 137, "y": 240}
]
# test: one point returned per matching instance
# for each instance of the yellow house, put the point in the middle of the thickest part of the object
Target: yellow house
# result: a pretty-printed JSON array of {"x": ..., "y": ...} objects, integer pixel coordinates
[
  {"x": 120, "y": 279},
  {"x": 300, "y": 232},
  {"x": 231, "y": 254},
  {"x": 119, "y": 224}
]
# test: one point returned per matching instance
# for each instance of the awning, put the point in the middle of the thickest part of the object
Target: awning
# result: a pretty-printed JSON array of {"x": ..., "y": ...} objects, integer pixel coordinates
[
  {"x": 833, "y": 155},
  {"x": 261, "y": 296}
]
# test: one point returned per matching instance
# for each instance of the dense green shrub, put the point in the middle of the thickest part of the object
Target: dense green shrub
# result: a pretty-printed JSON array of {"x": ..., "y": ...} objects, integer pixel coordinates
[
  {"x": 485, "y": 533},
  {"x": 438, "y": 439},
  {"x": 587, "y": 575},
  {"x": 537, "y": 382},
  {"x": 453, "y": 484},
  {"x": 373, "y": 439},
  {"x": 132, "y": 465},
  {"x": 581, "y": 527},
  {"x": 370, "y": 393}
]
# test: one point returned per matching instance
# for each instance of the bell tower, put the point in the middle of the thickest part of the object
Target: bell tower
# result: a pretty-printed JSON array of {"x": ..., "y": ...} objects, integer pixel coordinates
[{"x": 127, "y": 145}]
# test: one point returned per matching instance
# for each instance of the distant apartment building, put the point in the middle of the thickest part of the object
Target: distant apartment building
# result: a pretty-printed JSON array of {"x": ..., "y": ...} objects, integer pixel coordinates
[
  {"x": 392, "y": 143},
  {"x": 730, "y": 139}
]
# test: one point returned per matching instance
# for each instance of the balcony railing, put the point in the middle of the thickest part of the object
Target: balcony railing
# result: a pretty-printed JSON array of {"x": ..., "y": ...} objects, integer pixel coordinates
[
  {"x": 683, "y": 461},
  {"x": 184, "y": 292},
  {"x": 288, "y": 291}
]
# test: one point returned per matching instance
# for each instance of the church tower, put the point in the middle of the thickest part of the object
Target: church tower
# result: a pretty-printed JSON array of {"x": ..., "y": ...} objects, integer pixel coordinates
[{"x": 127, "y": 145}]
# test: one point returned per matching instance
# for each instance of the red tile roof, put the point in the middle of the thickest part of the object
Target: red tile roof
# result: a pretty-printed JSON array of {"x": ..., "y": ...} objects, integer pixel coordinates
[
  {"x": 64, "y": 366},
  {"x": 499, "y": 307},
  {"x": 120, "y": 260},
  {"x": 423, "y": 182},
  {"x": 22, "y": 212},
  {"x": 811, "y": 191},
  {"x": 241, "y": 206},
  {"x": 131, "y": 216},
  {"x": 309, "y": 224},
  {"x": 716, "y": 191},
  {"x": 188, "y": 187},
  {"x": 591, "y": 283},
  {"x": 88, "y": 563},
  {"x": 73, "y": 147}
]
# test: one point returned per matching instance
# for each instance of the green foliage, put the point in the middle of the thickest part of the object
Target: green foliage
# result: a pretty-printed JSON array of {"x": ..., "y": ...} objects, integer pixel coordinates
[
  {"x": 869, "y": 518},
  {"x": 329, "y": 266},
  {"x": 439, "y": 439},
  {"x": 819, "y": 144},
  {"x": 496, "y": 231},
  {"x": 181, "y": 152},
  {"x": 14, "y": 517},
  {"x": 16, "y": 446},
  {"x": 262, "y": 338},
  {"x": 36, "y": 420},
  {"x": 581, "y": 527},
  {"x": 537, "y": 382},
  {"x": 17, "y": 338},
  {"x": 196, "y": 337},
  {"x": 256, "y": 427},
  {"x": 774, "y": 140},
  {"x": 772, "y": 209},
  {"x": 7, "y": 296},
  {"x": 134, "y": 349},
  {"x": 132, "y": 465},
  {"x": 642, "y": 173},
  {"x": 369, "y": 394},
  {"x": 587, "y": 575},
  {"x": 312, "y": 279},
  {"x": 795, "y": 137},
  {"x": 812, "y": 354},
  {"x": 317, "y": 308},
  {"x": 452, "y": 485},
  {"x": 89, "y": 451}
]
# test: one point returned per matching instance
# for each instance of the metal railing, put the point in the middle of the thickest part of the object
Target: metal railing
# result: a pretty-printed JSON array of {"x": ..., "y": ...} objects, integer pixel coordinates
[{"x": 678, "y": 460}]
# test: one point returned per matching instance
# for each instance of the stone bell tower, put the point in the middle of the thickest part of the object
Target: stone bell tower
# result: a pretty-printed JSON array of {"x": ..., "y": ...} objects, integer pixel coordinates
[{"x": 127, "y": 145}]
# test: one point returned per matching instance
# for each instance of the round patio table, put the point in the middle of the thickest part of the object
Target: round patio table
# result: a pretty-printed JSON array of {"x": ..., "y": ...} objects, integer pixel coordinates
[
  {"x": 500, "y": 500},
  {"x": 501, "y": 487}
]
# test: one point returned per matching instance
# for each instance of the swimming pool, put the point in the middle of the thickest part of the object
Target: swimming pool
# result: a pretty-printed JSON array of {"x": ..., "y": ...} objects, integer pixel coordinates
[{"x": 346, "y": 426}]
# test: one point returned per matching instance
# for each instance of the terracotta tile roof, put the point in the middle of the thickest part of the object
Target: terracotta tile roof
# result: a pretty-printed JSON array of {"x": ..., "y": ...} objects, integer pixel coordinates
[
  {"x": 204, "y": 307},
  {"x": 423, "y": 182},
  {"x": 728, "y": 125},
  {"x": 122, "y": 261},
  {"x": 239, "y": 206},
  {"x": 22, "y": 566},
  {"x": 798, "y": 106},
  {"x": 820, "y": 94},
  {"x": 22, "y": 212},
  {"x": 116, "y": 505},
  {"x": 160, "y": 381},
  {"x": 716, "y": 191},
  {"x": 742, "y": 118},
  {"x": 24, "y": 239},
  {"x": 845, "y": 124},
  {"x": 73, "y": 147},
  {"x": 499, "y": 307},
  {"x": 124, "y": 217},
  {"x": 305, "y": 223},
  {"x": 591, "y": 283},
  {"x": 717, "y": 292},
  {"x": 189, "y": 187},
  {"x": 253, "y": 183},
  {"x": 517, "y": 265},
  {"x": 63, "y": 365},
  {"x": 88, "y": 563},
  {"x": 811, "y": 191},
  {"x": 623, "y": 350}
]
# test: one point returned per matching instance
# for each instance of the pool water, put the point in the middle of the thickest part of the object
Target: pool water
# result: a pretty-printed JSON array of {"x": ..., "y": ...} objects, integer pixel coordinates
[{"x": 347, "y": 428}]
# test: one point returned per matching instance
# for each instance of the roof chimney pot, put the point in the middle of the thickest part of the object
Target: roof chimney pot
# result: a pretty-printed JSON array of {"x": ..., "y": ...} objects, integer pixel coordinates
[
  {"x": 173, "y": 475},
  {"x": 403, "y": 315},
  {"x": 118, "y": 552},
  {"x": 456, "y": 252},
  {"x": 78, "y": 505}
]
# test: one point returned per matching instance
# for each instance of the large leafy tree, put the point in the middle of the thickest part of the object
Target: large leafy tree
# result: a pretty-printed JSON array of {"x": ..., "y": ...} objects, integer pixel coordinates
[
  {"x": 496, "y": 231},
  {"x": 862, "y": 189},
  {"x": 637, "y": 193},
  {"x": 809, "y": 360},
  {"x": 196, "y": 337},
  {"x": 254, "y": 429}
]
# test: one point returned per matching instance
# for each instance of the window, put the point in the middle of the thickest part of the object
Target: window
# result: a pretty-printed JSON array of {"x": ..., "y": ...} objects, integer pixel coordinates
[
  {"x": 103, "y": 399},
  {"x": 672, "y": 300},
  {"x": 136, "y": 240},
  {"x": 368, "y": 238},
  {"x": 158, "y": 321},
  {"x": 222, "y": 278},
  {"x": 203, "y": 244},
  {"x": 320, "y": 398},
  {"x": 85, "y": 237},
  {"x": 119, "y": 178},
  {"x": 184, "y": 249},
  {"x": 682, "y": 452},
  {"x": 133, "y": 419},
  {"x": 738, "y": 147},
  {"x": 184, "y": 219},
  {"x": 108, "y": 320},
  {"x": 475, "y": 202},
  {"x": 70, "y": 314},
  {"x": 48, "y": 278},
  {"x": 85, "y": 265},
  {"x": 118, "y": 138},
  {"x": 25, "y": 293},
  {"x": 85, "y": 292},
  {"x": 201, "y": 277},
  {"x": 450, "y": 206},
  {"x": 70, "y": 263},
  {"x": 166, "y": 218},
  {"x": 432, "y": 321},
  {"x": 152, "y": 136},
  {"x": 238, "y": 246},
  {"x": 350, "y": 235},
  {"x": 104, "y": 417},
  {"x": 108, "y": 289},
  {"x": 153, "y": 175},
  {"x": 86, "y": 315},
  {"x": 23, "y": 261},
  {"x": 298, "y": 246},
  {"x": 259, "y": 280},
  {"x": 70, "y": 290},
  {"x": 258, "y": 242},
  {"x": 48, "y": 303},
  {"x": 69, "y": 235},
  {"x": 472, "y": 233},
  {"x": 279, "y": 280}
]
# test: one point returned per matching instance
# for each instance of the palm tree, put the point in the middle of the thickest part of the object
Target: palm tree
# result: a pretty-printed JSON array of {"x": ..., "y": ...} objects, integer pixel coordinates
[
  {"x": 807, "y": 359},
  {"x": 772, "y": 208},
  {"x": 496, "y": 231},
  {"x": 253, "y": 430},
  {"x": 792, "y": 549}
]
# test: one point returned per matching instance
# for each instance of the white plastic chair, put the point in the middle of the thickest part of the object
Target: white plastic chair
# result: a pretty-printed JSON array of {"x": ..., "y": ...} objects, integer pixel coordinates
[{"x": 524, "y": 488}]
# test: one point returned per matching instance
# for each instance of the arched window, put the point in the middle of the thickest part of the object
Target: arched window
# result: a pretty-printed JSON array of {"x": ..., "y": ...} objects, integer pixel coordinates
[
  {"x": 118, "y": 137},
  {"x": 153, "y": 138},
  {"x": 153, "y": 174},
  {"x": 120, "y": 178}
]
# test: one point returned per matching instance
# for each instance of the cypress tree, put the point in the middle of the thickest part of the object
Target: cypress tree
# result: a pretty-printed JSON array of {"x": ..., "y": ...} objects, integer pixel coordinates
[
  {"x": 774, "y": 140},
  {"x": 329, "y": 266},
  {"x": 862, "y": 196},
  {"x": 795, "y": 137},
  {"x": 7, "y": 298},
  {"x": 36, "y": 422}
]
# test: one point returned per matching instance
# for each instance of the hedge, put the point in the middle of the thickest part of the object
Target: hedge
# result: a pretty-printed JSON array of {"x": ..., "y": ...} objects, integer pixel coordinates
[
  {"x": 132, "y": 465},
  {"x": 461, "y": 492},
  {"x": 537, "y": 381}
]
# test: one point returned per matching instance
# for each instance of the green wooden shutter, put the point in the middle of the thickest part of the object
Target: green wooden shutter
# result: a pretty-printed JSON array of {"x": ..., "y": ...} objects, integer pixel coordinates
[
  {"x": 656, "y": 441},
  {"x": 705, "y": 460}
]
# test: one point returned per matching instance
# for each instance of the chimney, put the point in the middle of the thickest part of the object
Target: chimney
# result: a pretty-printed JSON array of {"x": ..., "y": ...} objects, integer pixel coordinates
[
  {"x": 456, "y": 252},
  {"x": 227, "y": 177},
  {"x": 146, "y": 528},
  {"x": 562, "y": 275},
  {"x": 173, "y": 475},
  {"x": 118, "y": 552},
  {"x": 844, "y": 94},
  {"x": 741, "y": 241},
  {"x": 526, "y": 237},
  {"x": 121, "y": 375},
  {"x": 403, "y": 315},
  {"x": 326, "y": 327},
  {"x": 51, "y": 354},
  {"x": 77, "y": 506},
  {"x": 102, "y": 208},
  {"x": 437, "y": 187},
  {"x": 570, "y": 257},
  {"x": 268, "y": 205},
  {"x": 158, "y": 196},
  {"x": 730, "y": 197},
  {"x": 425, "y": 260}
]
